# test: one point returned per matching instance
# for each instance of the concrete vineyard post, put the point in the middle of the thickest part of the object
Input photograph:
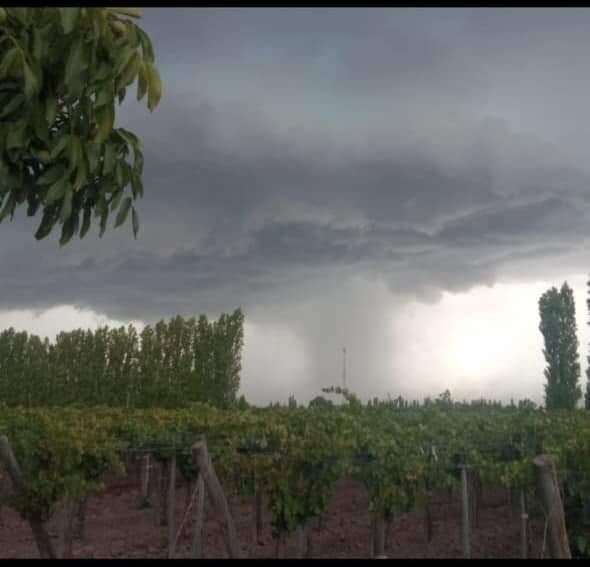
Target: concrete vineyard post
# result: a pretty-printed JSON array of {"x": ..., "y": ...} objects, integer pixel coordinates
[
  {"x": 197, "y": 549},
  {"x": 258, "y": 503},
  {"x": 67, "y": 525},
  {"x": 547, "y": 488},
  {"x": 301, "y": 542},
  {"x": 428, "y": 517},
  {"x": 379, "y": 537},
  {"x": 465, "y": 521},
  {"x": 524, "y": 540},
  {"x": 163, "y": 500},
  {"x": 144, "y": 480},
  {"x": 80, "y": 527},
  {"x": 171, "y": 506}
]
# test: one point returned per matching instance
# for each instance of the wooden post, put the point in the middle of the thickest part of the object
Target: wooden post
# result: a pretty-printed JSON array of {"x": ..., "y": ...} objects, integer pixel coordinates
[
  {"x": 164, "y": 484},
  {"x": 67, "y": 531},
  {"x": 278, "y": 546},
  {"x": 465, "y": 514},
  {"x": 388, "y": 526},
  {"x": 309, "y": 542},
  {"x": 206, "y": 470},
  {"x": 144, "y": 480},
  {"x": 428, "y": 525},
  {"x": 301, "y": 542},
  {"x": 379, "y": 537},
  {"x": 80, "y": 527},
  {"x": 171, "y": 502},
  {"x": 258, "y": 503},
  {"x": 40, "y": 534},
  {"x": 197, "y": 549},
  {"x": 524, "y": 540},
  {"x": 548, "y": 492}
]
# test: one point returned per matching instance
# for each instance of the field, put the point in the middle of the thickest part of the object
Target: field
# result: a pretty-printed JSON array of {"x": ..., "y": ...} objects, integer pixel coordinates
[
  {"x": 340, "y": 480},
  {"x": 116, "y": 527}
]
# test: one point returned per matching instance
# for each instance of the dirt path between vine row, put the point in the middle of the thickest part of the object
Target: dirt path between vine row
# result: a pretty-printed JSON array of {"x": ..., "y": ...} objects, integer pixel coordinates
[{"x": 117, "y": 527}]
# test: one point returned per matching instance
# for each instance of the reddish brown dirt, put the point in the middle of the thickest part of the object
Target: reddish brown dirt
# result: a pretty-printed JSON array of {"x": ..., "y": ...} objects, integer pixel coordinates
[{"x": 117, "y": 527}]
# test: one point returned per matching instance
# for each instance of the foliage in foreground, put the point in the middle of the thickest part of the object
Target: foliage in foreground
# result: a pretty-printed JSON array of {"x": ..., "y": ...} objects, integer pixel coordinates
[
  {"x": 62, "y": 73},
  {"x": 297, "y": 455}
]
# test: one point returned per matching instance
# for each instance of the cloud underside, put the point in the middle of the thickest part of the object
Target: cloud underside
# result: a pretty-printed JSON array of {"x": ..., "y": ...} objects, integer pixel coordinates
[
  {"x": 344, "y": 145},
  {"x": 240, "y": 220}
]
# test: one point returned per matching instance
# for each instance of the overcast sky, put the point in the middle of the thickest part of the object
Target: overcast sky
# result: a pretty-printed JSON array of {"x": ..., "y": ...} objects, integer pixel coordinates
[{"x": 405, "y": 182}]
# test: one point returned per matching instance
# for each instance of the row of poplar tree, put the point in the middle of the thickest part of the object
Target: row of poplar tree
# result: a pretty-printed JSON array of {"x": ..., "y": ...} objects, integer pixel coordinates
[
  {"x": 164, "y": 365},
  {"x": 558, "y": 326}
]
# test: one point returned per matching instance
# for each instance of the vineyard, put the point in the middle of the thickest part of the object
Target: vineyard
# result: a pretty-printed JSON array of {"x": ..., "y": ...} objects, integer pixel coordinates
[{"x": 291, "y": 460}]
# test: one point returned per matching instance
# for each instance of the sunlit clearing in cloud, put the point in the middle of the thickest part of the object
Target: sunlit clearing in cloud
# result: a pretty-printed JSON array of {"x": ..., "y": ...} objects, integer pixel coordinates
[{"x": 483, "y": 343}]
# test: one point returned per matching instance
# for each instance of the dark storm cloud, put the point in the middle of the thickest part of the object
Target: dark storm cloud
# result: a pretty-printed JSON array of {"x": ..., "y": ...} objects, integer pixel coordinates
[{"x": 246, "y": 200}]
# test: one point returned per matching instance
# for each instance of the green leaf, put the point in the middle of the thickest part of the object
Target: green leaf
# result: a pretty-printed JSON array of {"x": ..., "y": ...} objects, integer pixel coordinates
[
  {"x": 154, "y": 86},
  {"x": 75, "y": 157},
  {"x": 109, "y": 159},
  {"x": 37, "y": 45},
  {"x": 135, "y": 221},
  {"x": 31, "y": 85},
  {"x": 122, "y": 60},
  {"x": 33, "y": 206},
  {"x": 61, "y": 145},
  {"x": 69, "y": 17},
  {"x": 123, "y": 211},
  {"x": 46, "y": 224},
  {"x": 21, "y": 14},
  {"x": 81, "y": 173},
  {"x": 86, "y": 221},
  {"x": 67, "y": 231},
  {"x": 131, "y": 12},
  {"x": 129, "y": 72},
  {"x": 136, "y": 185},
  {"x": 105, "y": 118},
  {"x": 10, "y": 57},
  {"x": 116, "y": 199},
  {"x": 74, "y": 62},
  {"x": 39, "y": 122},
  {"x": 66, "y": 207},
  {"x": 58, "y": 190},
  {"x": 142, "y": 84},
  {"x": 16, "y": 135},
  {"x": 104, "y": 96},
  {"x": 8, "y": 207},
  {"x": 51, "y": 175},
  {"x": 146, "y": 45},
  {"x": 50, "y": 109},
  {"x": 15, "y": 102},
  {"x": 104, "y": 215},
  {"x": 92, "y": 156}
]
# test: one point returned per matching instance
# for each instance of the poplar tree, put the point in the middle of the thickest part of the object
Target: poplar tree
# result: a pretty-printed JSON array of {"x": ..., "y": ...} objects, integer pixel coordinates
[{"x": 558, "y": 326}]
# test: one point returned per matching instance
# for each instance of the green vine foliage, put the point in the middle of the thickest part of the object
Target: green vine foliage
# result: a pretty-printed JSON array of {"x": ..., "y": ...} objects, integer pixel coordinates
[
  {"x": 62, "y": 73},
  {"x": 297, "y": 456}
]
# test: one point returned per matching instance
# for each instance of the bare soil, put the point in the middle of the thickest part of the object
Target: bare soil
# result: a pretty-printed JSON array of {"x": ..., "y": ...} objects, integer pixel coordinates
[{"x": 117, "y": 527}]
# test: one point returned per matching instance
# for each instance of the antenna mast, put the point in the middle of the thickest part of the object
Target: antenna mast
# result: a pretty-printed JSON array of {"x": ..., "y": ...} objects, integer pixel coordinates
[{"x": 344, "y": 367}]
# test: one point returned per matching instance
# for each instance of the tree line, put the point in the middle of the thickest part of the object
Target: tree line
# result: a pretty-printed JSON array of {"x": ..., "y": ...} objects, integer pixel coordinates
[
  {"x": 558, "y": 325},
  {"x": 168, "y": 364}
]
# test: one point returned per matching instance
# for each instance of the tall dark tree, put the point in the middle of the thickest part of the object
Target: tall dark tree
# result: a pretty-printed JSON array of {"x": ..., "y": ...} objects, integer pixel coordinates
[
  {"x": 587, "y": 394},
  {"x": 558, "y": 326}
]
